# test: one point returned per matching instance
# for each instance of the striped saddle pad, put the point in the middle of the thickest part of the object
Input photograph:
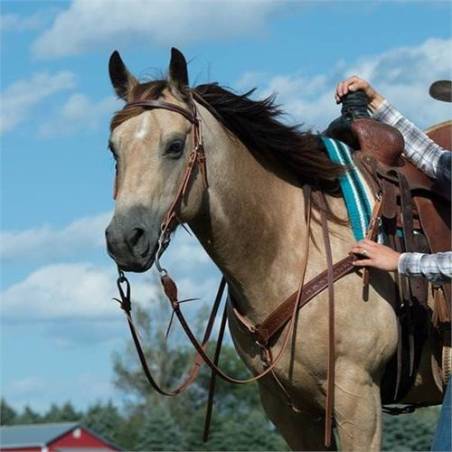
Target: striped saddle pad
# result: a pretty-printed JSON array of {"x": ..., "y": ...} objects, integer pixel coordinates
[{"x": 358, "y": 199}]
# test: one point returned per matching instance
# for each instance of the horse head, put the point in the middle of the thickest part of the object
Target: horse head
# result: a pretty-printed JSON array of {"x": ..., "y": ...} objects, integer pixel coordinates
[{"x": 152, "y": 148}]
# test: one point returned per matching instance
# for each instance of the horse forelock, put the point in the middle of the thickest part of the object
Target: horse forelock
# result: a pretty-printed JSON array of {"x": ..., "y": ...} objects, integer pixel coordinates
[{"x": 142, "y": 91}]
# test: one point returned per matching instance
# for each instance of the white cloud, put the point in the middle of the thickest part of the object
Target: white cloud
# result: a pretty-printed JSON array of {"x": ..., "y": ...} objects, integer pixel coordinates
[
  {"x": 48, "y": 242},
  {"x": 79, "y": 113},
  {"x": 69, "y": 292},
  {"x": 87, "y": 234},
  {"x": 19, "y": 98},
  {"x": 402, "y": 75},
  {"x": 26, "y": 386},
  {"x": 73, "y": 303},
  {"x": 34, "y": 390},
  {"x": 99, "y": 23},
  {"x": 15, "y": 22},
  {"x": 83, "y": 292}
]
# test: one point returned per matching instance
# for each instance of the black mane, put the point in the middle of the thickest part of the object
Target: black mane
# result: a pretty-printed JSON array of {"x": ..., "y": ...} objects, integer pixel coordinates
[{"x": 256, "y": 123}]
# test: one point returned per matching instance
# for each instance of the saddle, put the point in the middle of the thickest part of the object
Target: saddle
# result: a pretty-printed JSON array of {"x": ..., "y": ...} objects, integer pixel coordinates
[{"x": 415, "y": 217}]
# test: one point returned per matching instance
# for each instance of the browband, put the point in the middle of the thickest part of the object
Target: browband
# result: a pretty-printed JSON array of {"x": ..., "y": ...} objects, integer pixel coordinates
[{"x": 191, "y": 116}]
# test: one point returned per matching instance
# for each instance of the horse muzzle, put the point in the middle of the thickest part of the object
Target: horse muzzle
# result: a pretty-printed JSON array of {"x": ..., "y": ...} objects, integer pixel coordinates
[{"x": 131, "y": 245}]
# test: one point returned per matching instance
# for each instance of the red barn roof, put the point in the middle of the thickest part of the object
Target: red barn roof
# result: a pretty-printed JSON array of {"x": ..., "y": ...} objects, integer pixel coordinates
[{"x": 53, "y": 437}]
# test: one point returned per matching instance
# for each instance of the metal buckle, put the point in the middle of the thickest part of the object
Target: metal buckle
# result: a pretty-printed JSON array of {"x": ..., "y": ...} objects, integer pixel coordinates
[
  {"x": 162, "y": 245},
  {"x": 124, "y": 291}
]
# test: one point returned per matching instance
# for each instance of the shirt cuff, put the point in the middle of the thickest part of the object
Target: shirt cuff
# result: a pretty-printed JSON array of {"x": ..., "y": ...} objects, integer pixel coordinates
[{"x": 410, "y": 264}]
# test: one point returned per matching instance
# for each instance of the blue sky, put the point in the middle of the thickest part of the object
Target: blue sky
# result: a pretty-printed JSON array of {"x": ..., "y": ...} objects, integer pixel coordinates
[{"x": 58, "y": 323}]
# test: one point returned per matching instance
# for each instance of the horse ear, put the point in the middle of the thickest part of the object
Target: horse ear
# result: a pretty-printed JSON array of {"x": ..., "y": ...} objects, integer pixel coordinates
[
  {"x": 178, "y": 74},
  {"x": 122, "y": 80}
]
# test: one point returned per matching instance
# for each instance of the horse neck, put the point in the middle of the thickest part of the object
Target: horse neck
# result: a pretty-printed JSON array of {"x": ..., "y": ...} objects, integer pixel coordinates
[{"x": 253, "y": 226}]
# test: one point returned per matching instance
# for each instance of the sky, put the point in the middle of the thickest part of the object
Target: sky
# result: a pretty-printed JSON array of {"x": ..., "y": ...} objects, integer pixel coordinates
[{"x": 59, "y": 325}]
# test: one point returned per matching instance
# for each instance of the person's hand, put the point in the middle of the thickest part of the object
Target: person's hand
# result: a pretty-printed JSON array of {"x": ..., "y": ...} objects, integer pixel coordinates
[
  {"x": 355, "y": 83},
  {"x": 374, "y": 255}
]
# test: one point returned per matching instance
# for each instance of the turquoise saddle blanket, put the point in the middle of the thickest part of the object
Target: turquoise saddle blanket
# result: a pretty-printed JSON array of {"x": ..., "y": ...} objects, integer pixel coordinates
[{"x": 357, "y": 197}]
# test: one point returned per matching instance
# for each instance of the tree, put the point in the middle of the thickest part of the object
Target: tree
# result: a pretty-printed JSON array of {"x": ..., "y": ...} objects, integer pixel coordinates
[
  {"x": 248, "y": 431},
  {"x": 104, "y": 419},
  {"x": 159, "y": 431},
  {"x": 7, "y": 413},
  {"x": 166, "y": 364},
  {"x": 231, "y": 422},
  {"x": 65, "y": 413},
  {"x": 28, "y": 416}
]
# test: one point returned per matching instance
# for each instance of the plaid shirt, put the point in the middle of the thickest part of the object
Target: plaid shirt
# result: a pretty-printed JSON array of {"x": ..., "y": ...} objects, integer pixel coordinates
[
  {"x": 434, "y": 161},
  {"x": 437, "y": 267},
  {"x": 419, "y": 148}
]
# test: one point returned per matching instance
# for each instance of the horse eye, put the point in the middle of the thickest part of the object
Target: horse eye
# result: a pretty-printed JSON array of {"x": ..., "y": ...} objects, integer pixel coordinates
[{"x": 175, "y": 148}]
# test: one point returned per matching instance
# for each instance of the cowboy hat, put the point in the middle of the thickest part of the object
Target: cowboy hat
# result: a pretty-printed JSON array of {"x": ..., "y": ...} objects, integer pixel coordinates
[{"x": 441, "y": 90}]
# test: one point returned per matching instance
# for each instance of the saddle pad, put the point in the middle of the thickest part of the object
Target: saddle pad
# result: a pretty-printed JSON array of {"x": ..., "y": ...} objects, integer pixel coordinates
[{"x": 358, "y": 199}]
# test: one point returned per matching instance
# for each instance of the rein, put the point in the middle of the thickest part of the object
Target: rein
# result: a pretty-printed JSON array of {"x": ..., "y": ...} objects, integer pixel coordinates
[
  {"x": 264, "y": 333},
  {"x": 170, "y": 221}
]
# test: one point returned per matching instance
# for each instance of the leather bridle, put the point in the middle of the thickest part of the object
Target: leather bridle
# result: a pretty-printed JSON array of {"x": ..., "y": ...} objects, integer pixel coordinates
[
  {"x": 262, "y": 334},
  {"x": 196, "y": 159}
]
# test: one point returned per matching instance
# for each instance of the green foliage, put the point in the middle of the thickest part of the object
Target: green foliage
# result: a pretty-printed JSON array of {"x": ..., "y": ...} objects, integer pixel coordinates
[
  {"x": 65, "y": 413},
  {"x": 159, "y": 431},
  {"x": 166, "y": 425},
  {"x": 250, "y": 431},
  {"x": 7, "y": 413},
  {"x": 104, "y": 419},
  {"x": 28, "y": 416},
  {"x": 238, "y": 422},
  {"x": 149, "y": 421}
]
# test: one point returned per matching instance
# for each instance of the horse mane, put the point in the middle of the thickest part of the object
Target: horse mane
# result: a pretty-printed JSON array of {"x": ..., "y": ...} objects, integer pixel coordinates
[{"x": 257, "y": 124}]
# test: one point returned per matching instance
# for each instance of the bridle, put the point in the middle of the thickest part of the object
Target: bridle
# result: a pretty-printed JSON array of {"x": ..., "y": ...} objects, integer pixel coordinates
[
  {"x": 264, "y": 333},
  {"x": 196, "y": 159}
]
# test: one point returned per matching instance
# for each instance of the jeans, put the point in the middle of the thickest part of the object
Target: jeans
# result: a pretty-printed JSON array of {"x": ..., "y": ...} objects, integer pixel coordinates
[{"x": 442, "y": 438}]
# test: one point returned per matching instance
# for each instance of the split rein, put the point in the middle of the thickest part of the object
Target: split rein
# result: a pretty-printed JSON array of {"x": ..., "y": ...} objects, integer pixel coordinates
[{"x": 196, "y": 159}]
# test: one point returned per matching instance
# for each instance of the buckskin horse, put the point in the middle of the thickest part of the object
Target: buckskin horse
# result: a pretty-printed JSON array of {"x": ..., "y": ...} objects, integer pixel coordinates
[{"x": 244, "y": 182}]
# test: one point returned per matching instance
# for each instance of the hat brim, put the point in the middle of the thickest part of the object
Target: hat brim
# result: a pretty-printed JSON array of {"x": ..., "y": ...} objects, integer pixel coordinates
[{"x": 441, "y": 90}]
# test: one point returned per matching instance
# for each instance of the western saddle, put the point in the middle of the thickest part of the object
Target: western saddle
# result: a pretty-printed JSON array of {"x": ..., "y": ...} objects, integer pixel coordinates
[{"x": 415, "y": 217}]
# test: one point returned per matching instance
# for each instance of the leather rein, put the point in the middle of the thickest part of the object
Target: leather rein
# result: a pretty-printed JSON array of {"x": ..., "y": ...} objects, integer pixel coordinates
[{"x": 264, "y": 333}]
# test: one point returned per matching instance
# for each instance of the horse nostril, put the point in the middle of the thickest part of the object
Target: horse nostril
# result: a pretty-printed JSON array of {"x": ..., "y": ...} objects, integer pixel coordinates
[{"x": 135, "y": 236}]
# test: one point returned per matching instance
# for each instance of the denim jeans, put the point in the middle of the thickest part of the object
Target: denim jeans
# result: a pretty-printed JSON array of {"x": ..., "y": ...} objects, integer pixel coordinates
[{"x": 442, "y": 438}]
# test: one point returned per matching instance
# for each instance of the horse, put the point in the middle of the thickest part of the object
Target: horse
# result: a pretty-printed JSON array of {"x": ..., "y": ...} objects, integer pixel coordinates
[{"x": 251, "y": 220}]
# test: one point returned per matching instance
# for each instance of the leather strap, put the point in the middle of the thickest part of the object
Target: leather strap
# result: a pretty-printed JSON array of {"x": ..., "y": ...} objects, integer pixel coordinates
[
  {"x": 213, "y": 375},
  {"x": 125, "y": 303},
  {"x": 170, "y": 290},
  {"x": 372, "y": 233},
  {"x": 190, "y": 115},
  {"x": 196, "y": 158},
  {"x": 329, "y": 401},
  {"x": 266, "y": 330}
]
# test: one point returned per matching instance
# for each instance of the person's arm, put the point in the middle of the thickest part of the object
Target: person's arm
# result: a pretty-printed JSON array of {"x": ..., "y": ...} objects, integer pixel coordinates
[
  {"x": 419, "y": 148},
  {"x": 436, "y": 267}
]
